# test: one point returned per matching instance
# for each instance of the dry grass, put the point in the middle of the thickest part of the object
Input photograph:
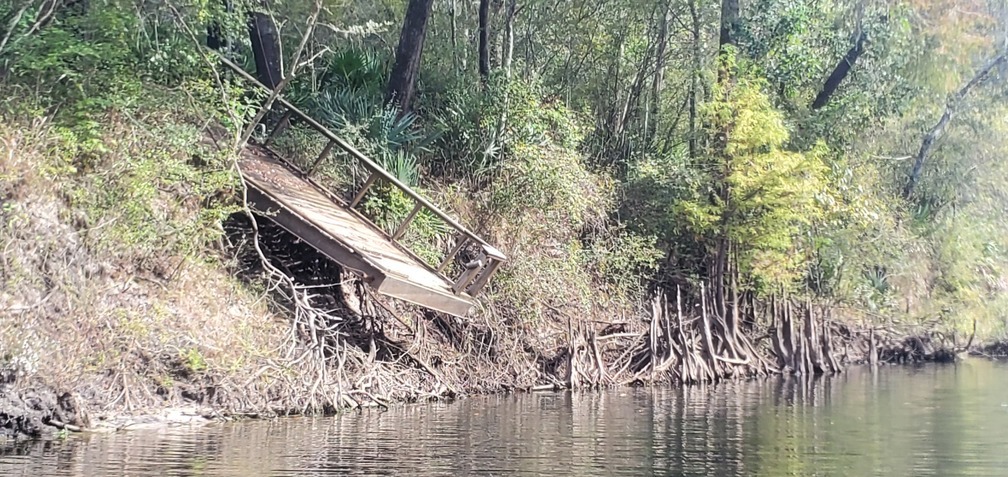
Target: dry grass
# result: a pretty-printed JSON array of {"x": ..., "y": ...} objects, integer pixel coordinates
[
  {"x": 140, "y": 324},
  {"x": 116, "y": 287}
]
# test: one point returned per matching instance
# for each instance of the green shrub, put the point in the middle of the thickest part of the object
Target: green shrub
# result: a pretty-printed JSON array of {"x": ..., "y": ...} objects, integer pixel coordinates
[
  {"x": 137, "y": 191},
  {"x": 101, "y": 57},
  {"x": 480, "y": 127}
]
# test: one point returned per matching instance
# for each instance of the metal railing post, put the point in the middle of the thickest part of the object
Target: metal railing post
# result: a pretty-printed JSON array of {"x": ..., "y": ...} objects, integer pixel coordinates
[
  {"x": 364, "y": 188},
  {"x": 484, "y": 277},
  {"x": 472, "y": 268},
  {"x": 460, "y": 242},
  {"x": 321, "y": 157},
  {"x": 280, "y": 127},
  {"x": 409, "y": 218}
]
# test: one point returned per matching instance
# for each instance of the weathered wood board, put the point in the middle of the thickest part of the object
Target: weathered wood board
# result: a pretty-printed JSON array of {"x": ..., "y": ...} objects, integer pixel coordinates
[{"x": 343, "y": 235}]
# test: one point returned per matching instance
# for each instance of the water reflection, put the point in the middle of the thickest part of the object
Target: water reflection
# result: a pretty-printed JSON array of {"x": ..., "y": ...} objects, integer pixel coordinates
[{"x": 933, "y": 420}]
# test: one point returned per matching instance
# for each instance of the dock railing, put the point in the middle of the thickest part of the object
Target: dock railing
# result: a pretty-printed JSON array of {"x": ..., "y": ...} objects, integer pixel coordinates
[{"x": 475, "y": 274}]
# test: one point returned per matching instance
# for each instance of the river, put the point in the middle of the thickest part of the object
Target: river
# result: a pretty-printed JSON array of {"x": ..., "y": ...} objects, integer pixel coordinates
[{"x": 930, "y": 420}]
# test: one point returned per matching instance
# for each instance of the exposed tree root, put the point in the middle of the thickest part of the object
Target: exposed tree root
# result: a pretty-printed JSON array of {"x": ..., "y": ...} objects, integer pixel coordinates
[
  {"x": 698, "y": 348},
  {"x": 360, "y": 349},
  {"x": 339, "y": 341}
]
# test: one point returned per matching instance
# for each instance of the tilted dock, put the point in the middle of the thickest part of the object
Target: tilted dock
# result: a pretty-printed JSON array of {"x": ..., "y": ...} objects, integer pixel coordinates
[{"x": 289, "y": 196}]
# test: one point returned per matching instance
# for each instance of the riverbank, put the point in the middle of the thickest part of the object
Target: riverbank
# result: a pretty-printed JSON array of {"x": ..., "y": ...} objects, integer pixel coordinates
[
  {"x": 115, "y": 314},
  {"x": 45, "y": 413},
  {"x": 133, "y": 293}
]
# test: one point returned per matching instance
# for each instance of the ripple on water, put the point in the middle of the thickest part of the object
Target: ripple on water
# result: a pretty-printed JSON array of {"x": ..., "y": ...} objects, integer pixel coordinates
[{"x": 931, "y": 421}]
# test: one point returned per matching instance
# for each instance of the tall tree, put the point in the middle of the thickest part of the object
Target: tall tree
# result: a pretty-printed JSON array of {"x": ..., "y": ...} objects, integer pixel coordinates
[
  {"x": 509, "y": 19},
  {"x": 696, "y": 70},
  {"x": 484, "y": 40},
  {"x": 722, "y": 140},
  {"x": 266, "y": 48},
  {"x": 658, "y": 79},
  {"x": 841, "y": 70},
  {"x": 951, "y": 108},
  {"x": 402, "y": 80},
  {"x": 729, "y": 22}
]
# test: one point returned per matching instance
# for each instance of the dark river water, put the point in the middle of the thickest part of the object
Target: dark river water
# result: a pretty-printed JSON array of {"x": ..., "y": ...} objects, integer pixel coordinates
[{"x": 931, "y": 420}]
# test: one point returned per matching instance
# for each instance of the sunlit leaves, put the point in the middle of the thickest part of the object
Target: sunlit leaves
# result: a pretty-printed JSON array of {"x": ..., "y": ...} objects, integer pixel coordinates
[{"x": 772, "y": 192}]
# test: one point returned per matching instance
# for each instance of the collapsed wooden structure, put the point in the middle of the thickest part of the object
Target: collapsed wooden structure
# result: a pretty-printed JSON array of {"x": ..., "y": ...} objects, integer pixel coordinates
[{"x": 288, "y": 195}]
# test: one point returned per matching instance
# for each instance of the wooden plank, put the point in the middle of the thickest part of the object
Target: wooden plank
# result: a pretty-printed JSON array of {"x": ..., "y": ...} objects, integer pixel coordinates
[
  {"x": 329, "y": 246},
  {"x": 342, "y": 235},
  {"x": 408, "y": 291}
]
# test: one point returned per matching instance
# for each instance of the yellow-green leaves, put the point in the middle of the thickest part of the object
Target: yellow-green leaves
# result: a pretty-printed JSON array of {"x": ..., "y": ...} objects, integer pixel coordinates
[{"x": 765, "y": 193}]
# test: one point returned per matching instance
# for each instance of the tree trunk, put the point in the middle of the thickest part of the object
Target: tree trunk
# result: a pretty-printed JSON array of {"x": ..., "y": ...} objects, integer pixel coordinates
[
  {"x": 11, "y": 20},
  {"x": 708, "y": 342},
  {"x": 402, "y": 80},
  {"x": 777, "y": 322},
  {"x": 215, "y": 39},
  {"x": 840, "y": 72},
  {"x": 496, "y": 35},
  {"x": 694, "y": 89},
  {"x": 729, "y": 27},
  {"x": 732, "y": 320},
  {"x": 265, "y": 41},
  {"x": 721, "y": 256},
  {"x": 484, "y": 40},
  {"x": 632, "y": 101},
  {"x": 454, "y": 35},
  {"x": 729, "y": 22},
  {"x": 658, "y": 80},
  {"x": 509, "y": 37},
  {"x": 616, "y": 107},
  {"x": 506, "y": 65},
  {"x": 279, "y": 86},
  {"x": 951, "y": 108}
]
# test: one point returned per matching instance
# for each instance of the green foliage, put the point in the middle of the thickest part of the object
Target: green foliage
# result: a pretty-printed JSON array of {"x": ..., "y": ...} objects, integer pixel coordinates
[
  {"x": 621, "y": 258},
  {"x": 479, "y": 128},
  {"x": 137, "y": 190},
  {"x": 346, "y": 96},
  {"x": 545, "y": 206},
  {"x": 100, "y": 57},
  {"x": 548, "y": 190},
  {"x": 354, "y": 69},
  {"x": 388, "y": 207},
  {"x": 858, "y": 244},
  {"x": 772, "y": 193},
  {"x": 467, "y": 148},
  {"x": 193, "y": 361},
  {"x": 81, "y": 55},
  {"x": 583, "y": 160},
  {"x": 391, "y": 136},
  {"x": 789, "y": 39}
]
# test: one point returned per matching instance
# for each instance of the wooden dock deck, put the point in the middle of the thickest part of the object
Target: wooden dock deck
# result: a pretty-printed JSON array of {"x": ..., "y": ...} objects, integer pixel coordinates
[
  {"x": 344, "y": 235},
  {"x": 288, "y": 196}
]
